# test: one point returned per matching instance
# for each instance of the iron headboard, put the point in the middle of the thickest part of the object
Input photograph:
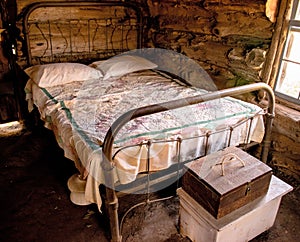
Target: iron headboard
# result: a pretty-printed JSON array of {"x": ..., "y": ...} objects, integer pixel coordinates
[{"x": 102, "y": 29}]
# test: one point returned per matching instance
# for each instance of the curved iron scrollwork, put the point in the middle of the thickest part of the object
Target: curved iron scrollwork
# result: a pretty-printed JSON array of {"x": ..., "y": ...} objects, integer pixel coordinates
[{"x": 83, "y": 36}]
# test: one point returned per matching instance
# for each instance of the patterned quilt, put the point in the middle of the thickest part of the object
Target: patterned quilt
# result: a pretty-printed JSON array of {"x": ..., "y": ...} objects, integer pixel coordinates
[{"x": 80, "y": 114}]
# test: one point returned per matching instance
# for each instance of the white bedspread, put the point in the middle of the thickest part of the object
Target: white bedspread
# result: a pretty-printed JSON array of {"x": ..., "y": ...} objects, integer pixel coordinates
[{"x": 81, "y": 113}]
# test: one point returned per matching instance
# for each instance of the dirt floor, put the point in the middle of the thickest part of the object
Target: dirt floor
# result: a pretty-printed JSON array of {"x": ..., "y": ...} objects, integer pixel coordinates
[{"x": 35, "y": 204}]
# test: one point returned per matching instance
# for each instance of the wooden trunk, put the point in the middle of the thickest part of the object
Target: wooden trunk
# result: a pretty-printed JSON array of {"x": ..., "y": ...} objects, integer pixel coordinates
[
  {"x": 241, "y": 225},
  {"x": 226, "y": 180}
]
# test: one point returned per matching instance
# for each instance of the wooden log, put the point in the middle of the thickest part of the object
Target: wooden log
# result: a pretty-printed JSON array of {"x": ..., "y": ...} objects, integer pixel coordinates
[
  {"x": 240, "y": 23},
  {"x": 247, "y": 6},
  {"x": 182, "y": 17}
]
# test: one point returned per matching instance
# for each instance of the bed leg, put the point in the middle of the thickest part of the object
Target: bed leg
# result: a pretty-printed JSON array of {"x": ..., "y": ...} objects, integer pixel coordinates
[
  {"x": 112, "y": 206},
  {"x": 267, "y": 138}
]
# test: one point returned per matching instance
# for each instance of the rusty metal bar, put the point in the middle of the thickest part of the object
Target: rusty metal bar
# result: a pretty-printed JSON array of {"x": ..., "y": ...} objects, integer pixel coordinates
[
  {"x": 149, "y": 143},
  {"x": 179, "y": 143},
  {"x": 248, "y": 133},
  {"x": 230, "y": 135},
  {"x": 207, "y": 135}
]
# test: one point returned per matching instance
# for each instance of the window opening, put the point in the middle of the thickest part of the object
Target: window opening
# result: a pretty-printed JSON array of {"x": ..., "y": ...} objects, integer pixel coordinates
[{"x": 288, "y": 80}]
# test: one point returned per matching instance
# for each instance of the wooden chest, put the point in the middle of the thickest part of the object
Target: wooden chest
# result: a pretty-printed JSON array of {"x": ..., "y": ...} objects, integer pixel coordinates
[{"x": 226, "y": 180}]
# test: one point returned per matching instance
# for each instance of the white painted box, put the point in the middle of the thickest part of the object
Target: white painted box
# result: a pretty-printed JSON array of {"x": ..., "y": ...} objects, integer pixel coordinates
[{"x": 241, "y": 225}]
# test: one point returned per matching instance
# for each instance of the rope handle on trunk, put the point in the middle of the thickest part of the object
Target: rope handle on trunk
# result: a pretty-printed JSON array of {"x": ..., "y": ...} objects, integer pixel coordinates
[{"x": 227, "y": 158}]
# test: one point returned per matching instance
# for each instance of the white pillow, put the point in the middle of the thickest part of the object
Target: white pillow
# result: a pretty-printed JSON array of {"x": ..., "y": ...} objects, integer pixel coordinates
[
  {"x": 123, "y": 64},
  {"x": 61, "y": 73}
]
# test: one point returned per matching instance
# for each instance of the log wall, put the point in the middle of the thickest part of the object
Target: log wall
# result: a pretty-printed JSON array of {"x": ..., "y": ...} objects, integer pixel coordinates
[
  {"x": 227, "y": 38},
  {"x": 285, "y": 152}
]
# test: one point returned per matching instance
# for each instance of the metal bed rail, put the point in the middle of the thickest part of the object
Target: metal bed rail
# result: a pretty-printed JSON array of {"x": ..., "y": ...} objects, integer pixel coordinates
[{"x": 108, "y": 163}]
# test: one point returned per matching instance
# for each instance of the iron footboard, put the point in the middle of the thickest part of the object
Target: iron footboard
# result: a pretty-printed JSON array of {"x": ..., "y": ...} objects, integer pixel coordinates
[{"x": 108, "y": 163}]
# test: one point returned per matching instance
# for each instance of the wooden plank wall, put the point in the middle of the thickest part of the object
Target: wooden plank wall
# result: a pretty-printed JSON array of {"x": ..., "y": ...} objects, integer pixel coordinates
[{"x": 229, "y": 39}]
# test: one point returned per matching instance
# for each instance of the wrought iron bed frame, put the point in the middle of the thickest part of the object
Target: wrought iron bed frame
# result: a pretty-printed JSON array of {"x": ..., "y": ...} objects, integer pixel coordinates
[
  {"x": 87, "y": 55},
  {"x": 108, "y": 162}
]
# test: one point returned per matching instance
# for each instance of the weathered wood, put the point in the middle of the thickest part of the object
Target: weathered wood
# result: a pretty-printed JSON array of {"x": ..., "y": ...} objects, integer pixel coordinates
[
  {"x": 244, "y": 179},
  {"x": 211, "y": 31},
  {"x": 285, "y": 149},
  {"x": 271, "y": 64},
  {"x": 247, "y": 6},
  {"x": 240, "y": 23}
]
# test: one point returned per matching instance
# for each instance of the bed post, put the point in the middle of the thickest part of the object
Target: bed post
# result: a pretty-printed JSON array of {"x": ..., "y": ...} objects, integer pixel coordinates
[
  {"x": 112, "y": 204},
  {"x": 267, "y": 139},
  {"x": 111, "y": 199}
]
